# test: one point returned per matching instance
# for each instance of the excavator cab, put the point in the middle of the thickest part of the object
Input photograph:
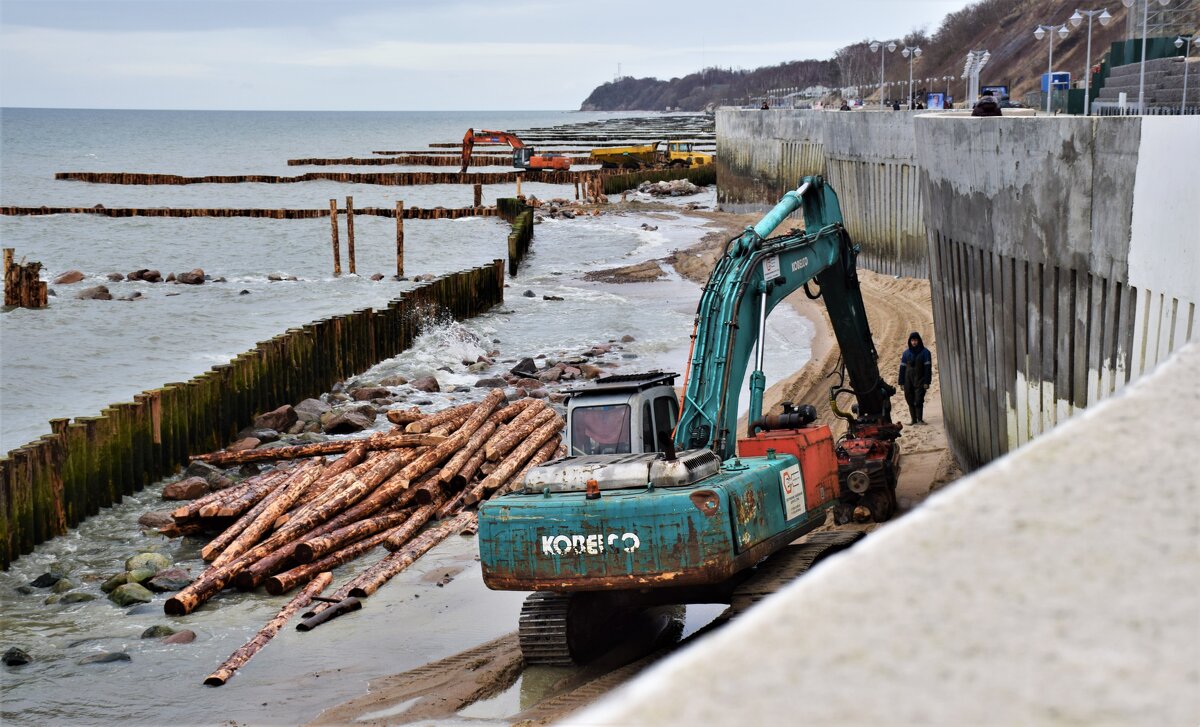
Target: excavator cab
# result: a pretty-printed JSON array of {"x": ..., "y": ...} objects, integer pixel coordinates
[{"x": 623, "y": 414}]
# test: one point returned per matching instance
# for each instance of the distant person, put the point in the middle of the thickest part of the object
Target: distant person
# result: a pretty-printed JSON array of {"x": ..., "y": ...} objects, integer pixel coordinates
[
  {"x": 764, "y": 106},
  {"x": 916, "y": 374},
  {"x": 895, "y": 106},
  {"x": 845, "y": 106},
  {"x": 987, "y": 106}
]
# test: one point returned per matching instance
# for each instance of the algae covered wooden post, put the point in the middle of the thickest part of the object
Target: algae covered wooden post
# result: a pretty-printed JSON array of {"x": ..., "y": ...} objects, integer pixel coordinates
[
  {"x": 350, "y": 232},
  {"x": 478, "y": 196},
  {"x": 399, "y": 240},
  {"x": 337, "y": 247}
]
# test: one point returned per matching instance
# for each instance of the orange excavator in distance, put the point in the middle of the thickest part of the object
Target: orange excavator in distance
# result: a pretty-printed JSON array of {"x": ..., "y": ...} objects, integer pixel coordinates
[{"x": 524, "y": 157}]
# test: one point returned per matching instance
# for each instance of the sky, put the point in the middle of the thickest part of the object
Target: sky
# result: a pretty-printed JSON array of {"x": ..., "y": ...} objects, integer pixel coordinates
[{"x": 372, "y": 55}]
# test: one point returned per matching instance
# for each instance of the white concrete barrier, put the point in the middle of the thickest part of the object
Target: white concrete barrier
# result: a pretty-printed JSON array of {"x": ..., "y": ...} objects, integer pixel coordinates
[{"x": 1059, "y": 585}]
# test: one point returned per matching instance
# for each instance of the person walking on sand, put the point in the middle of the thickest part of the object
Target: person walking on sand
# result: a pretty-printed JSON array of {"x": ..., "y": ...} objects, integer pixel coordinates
[{"x": 916, "y": 374}]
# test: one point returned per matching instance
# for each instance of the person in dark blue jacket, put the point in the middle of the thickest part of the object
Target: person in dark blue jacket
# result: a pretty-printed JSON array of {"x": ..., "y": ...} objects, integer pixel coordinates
[{"x": 916, "y": 374}]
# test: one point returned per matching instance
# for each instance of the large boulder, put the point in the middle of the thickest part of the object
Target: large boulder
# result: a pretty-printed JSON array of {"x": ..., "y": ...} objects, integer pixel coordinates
[
  {"x": 113, "y": 583},
  {"x": 185, "y": 636},
  {"x": 98, "y": 292},
  {"x": 345, "y": 421},
  {"x": 69, "y": 277},
  {"x": 169, "y": 579},
  {"x": 147, "y": 561},
  {"x": 46, "y": 580},
  {"x": 367, "y": 393},
  {"x": 427, "y": 384},
  {"x": 396, "y": 380},
  {"x": 156, "y": 519},
  {"x": 186, "y": 489},
  {"x": 491, "y": 382},
  {"x": 15, "y": 657},
  {"x": 279, "y": 419},
  {"x": 157, "y": 631},
  {"x": 310, "y": 410},
  {"x": 195, "y": 277},
  {"x": 244, "y": 444},
  {"x": 527, "y": 368},
  {"x": 130, "y": 594},
  {"x": 77, "y": 597}
]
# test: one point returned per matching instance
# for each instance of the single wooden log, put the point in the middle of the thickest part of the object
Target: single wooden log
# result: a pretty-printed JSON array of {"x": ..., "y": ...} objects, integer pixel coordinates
[
  {"x": 350, "y": 233},
  {"x": 517, "y": 433},
  {"x": 509, "y": 466},
  {"x": 402, "y": 559},
  {"x": 508, "y": 413},
  {"x": 399, "y": 240},
  {"x": 191, "y": 510},
  {"x": 438, "y": 418},
  {"x": 337, "y": 247},
  {"x": 453, "y": 506},
  {"x": 401, "y": 535},
  {"x": 283, "y": 582},
  {"x": 308, "y": 550},
  {"x": 405, "y": 416},
  {"x": 448, "y": 427},
  {"x": 235, "y": 506},
  {"x": 478, "y": 195},
  {"x": 544, "y": 454},
  {"x": 284, "y": 497},
  {"x": 473, "y": 445},
  {"x": 266, "y": 633},
  {"x": 316, "y": 449}
]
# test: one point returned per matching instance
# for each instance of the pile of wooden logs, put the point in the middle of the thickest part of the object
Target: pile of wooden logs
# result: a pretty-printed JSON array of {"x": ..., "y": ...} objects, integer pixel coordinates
[{"x": 285, "y": 527}]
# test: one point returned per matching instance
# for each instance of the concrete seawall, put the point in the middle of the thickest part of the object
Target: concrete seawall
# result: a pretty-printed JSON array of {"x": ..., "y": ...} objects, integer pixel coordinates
[
  {"x": 1064, "y": 260},
  {"x": 1052, "y": 288},
  {"x": 869, "y": 157}
]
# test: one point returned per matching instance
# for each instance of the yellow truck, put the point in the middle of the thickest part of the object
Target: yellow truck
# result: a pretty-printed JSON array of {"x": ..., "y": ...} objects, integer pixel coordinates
[{"x": 676, "y": 153}]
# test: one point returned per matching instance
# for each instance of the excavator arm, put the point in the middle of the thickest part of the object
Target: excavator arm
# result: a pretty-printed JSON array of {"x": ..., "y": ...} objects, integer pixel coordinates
[
  {"x": 485, "y": 136},
  {"x": 753, "y": 276}
]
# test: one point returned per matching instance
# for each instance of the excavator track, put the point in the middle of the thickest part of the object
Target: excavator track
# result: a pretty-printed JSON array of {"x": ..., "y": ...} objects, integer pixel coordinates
[
  {"x": 542, "y": 629},
  {"x": 789, "y": 564}
]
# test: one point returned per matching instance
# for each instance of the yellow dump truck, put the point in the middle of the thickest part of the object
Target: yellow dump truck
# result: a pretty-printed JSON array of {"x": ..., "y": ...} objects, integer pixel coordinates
[{"x": 677, "y": 153}]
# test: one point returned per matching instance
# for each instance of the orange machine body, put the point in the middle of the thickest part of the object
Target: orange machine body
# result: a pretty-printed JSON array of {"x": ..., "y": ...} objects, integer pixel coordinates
[{"x": 812, "y": 447}]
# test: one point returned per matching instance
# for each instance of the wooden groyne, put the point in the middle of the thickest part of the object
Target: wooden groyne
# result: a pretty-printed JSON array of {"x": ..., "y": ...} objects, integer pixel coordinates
[
  {"x": 410, "y": 213},
  {"x": 57, "y": 481},
  {"x": 23, "y": 284},
  {"x": 398, "y": 179},
  {"x": 520, "y": 216}
]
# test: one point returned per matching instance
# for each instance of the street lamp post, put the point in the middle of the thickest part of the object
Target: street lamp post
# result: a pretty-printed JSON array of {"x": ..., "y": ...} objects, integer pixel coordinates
[
  {"x": 1142, "y": 70},
  {"x": 912, "y": 53},
  {"x": 1179, "y": 41},
  {"x": 1076, "y": 20},
  {"x": 947, "y": 79},
  {"x": 1061, "y": 31},
  {"x": 880, "y": 46}
]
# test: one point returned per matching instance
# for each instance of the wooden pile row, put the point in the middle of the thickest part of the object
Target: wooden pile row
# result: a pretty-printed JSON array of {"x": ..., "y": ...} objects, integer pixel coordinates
[
  {"x": 283, "y": 528},
  {"x": 383, "y": 178},
  {"x": 410, "y": 213}
]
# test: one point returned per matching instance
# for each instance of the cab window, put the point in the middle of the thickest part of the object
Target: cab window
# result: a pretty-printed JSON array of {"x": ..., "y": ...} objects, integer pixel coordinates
[
  {"x": 665, "y": 408},
  {"x": 647, "y": 428},
  {"x": 600, "y": 429}
]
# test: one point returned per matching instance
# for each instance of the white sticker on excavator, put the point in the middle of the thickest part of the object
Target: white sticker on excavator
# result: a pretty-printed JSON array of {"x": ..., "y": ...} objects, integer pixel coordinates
[
  {"x": 594, "y": 544},
  {"x": 771, "y": 268},
  {"x": 791, "y": 485}
]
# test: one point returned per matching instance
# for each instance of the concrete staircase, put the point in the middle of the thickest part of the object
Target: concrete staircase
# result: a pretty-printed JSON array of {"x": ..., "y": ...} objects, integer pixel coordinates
[{"x": 1164, "y": 83}]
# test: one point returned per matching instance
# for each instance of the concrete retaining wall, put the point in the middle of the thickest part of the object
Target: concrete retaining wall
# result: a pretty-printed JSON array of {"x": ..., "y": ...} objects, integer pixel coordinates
[
  {"x": 868, "y": 156},
  {"x": 1064, "y": 260}
]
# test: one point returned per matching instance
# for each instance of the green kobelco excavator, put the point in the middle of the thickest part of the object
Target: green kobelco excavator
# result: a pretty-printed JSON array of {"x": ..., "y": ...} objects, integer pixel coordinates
[{"x": 637, "y": 515}]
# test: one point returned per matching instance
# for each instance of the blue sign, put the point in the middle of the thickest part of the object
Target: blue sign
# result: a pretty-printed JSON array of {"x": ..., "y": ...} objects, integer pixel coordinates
[{"x": 1059, "y": 80}]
